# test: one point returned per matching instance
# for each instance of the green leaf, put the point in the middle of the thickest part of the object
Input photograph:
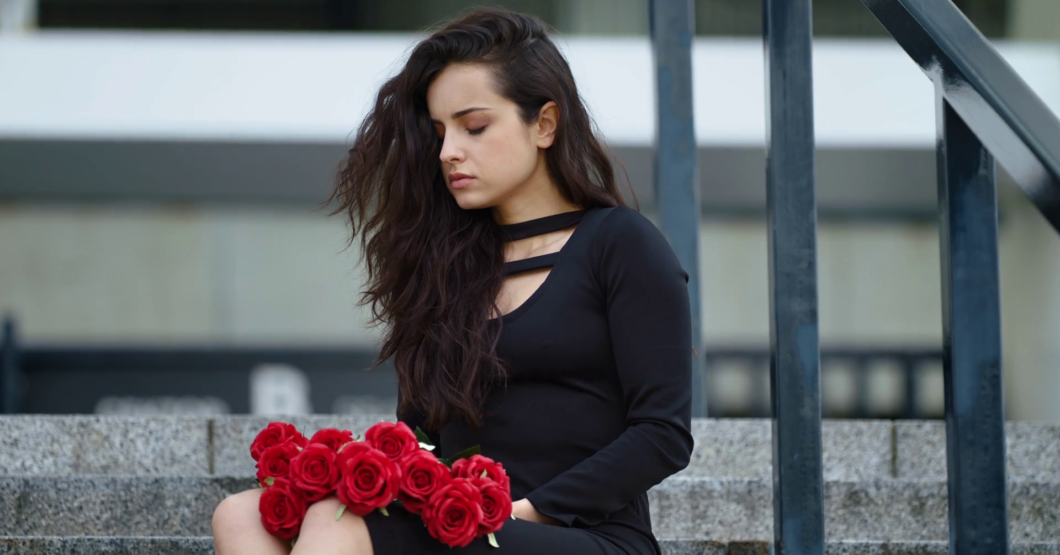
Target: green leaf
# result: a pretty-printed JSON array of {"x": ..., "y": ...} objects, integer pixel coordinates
[
  {"x": 292, "y": 541},
  {"x": 383, "y": 510},
  {"x": 270, "y": 481},
  {"x": 422, "y": 437},
  {"x": 342, "y": 509},
  {"x": 261, "y": 485},
  {"x": 493, "y": 539},
  {"x": 466, "y": 453}
]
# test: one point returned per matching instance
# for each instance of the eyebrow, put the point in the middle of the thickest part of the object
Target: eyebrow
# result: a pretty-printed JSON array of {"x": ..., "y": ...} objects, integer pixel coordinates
[{"x": 462, "y": 113}]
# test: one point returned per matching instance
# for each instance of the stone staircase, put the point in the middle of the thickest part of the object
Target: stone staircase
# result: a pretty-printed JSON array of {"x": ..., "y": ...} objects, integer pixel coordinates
[{"x": 148, "y": 485}]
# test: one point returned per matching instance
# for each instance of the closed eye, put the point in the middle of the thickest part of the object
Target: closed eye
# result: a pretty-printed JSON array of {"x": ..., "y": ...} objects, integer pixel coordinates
[{"x": 476, "y": 131}]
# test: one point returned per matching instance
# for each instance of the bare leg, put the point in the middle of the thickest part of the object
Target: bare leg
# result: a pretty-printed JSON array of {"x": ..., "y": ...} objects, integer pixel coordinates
[
  {"x": 237, "y": 528},
  {"x": 322, "y": 535}
]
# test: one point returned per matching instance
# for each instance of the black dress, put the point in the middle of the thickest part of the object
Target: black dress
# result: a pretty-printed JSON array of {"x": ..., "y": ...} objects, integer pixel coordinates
[{"x": 597, "y": 407}]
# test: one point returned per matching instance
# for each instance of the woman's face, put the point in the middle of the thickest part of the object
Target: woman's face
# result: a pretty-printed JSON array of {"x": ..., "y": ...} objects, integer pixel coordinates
[{"x": 484, "y": 138}]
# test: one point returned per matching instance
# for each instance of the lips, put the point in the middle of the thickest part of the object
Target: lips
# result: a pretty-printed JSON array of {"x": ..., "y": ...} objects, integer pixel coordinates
[{"x": 459, "y": 180}]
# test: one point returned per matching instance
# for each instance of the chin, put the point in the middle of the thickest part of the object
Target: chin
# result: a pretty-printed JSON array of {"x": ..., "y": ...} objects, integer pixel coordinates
[{"x": 471, "y": 201}]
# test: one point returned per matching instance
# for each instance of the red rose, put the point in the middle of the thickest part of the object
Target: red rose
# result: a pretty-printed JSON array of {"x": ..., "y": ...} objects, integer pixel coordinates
[
  {"x": 394, "y": 439},
  {"x": 454, "y": 512},
  {"x": 314, "y": 471},
  {"x": 275, "y": 461},
  {"x": 473, "y": 466},
  {"x": 332, "y": 437},
  {"x": 496, "y": 505},
  {"x": 274, "y": 434},
  {"x": 421, "y": 475},
  {"x": 282, "y": 509},
  {"x": 369, "y": 479}
]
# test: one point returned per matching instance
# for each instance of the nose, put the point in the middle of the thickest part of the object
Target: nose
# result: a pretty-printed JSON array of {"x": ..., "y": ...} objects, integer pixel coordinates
[{"x": 451, "y": 152}]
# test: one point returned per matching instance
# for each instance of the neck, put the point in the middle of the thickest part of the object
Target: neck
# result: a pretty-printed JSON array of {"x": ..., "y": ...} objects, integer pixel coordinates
[{"x": 537, "y": 198}]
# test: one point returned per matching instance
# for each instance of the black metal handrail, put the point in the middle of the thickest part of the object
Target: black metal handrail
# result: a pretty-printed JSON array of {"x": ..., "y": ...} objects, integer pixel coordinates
[
  {"x": 1004, "y": 113},
  {"x": 983, "y": 110}
]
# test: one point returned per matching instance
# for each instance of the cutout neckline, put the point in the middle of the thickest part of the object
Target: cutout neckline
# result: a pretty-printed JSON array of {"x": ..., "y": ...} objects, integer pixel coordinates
[
  {"x": 531, "y": 228},
  {"x": 543, "y": 225}
]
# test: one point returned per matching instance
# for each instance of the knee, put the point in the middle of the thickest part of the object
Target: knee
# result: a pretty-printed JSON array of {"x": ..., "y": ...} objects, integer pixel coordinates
[
  {"x": 322, "y": 513},
  {"x": 320, "y": 528},
  {"x": 237, "y": 512}
]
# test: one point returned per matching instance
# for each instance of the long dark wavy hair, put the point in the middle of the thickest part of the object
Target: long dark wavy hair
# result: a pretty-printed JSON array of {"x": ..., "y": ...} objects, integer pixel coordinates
[{"x": 434, "y": 269}]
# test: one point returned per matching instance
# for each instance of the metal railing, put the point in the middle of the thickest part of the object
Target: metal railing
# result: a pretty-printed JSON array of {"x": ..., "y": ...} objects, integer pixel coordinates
[{"x": 984, "y": 110}]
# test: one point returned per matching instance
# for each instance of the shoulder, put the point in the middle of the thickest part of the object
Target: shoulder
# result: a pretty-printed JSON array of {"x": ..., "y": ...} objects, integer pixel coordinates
[
  {"x": 627, "y": 230},
  {"x": 626, "y": 219},
  {"x": 626, "y": 238}
]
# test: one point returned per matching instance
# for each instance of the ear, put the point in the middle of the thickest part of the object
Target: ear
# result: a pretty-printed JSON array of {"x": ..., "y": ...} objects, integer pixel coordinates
[{"x": 547, "y": 122}]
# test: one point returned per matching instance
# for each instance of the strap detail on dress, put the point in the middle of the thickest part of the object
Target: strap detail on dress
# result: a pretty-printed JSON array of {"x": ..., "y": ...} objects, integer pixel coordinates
[
  {"x": 532, "y": 263},
  {"x": 540, "y": 226}
]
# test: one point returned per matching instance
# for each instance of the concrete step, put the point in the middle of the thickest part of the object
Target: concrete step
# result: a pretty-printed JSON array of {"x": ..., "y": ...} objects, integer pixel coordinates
[
  {"x": 853, "y": 450},
  {"x": 38, "y": 545},
  {"x": 60, "y": 545},
  {"x": 725, "y": 448},
  {"x": 884, "y": 510},
  {"x": 687, "y": 508}
]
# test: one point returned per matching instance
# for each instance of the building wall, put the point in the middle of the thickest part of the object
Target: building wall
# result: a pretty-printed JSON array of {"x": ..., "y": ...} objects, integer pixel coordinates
[
  {"x": 182, "y": 274},
  {"x": 1035, "y": 20},
  {"x": 169, "y": 274},
  {"x": 1030, "y": 311}
]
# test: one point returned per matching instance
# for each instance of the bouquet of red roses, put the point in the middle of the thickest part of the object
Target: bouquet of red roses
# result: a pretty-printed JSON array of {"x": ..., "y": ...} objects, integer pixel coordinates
[{"x": 458, "y": 499}]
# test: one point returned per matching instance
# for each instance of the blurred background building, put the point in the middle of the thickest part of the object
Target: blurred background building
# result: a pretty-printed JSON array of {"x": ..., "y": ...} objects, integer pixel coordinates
[{"x": 162, "y": 163}]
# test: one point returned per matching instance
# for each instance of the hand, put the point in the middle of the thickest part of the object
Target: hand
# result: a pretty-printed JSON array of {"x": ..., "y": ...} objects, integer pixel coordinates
[{"x": 525, "y": 510}]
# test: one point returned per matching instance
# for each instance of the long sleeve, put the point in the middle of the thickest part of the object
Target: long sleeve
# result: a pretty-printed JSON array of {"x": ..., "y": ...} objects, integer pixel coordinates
[{"x": 649, "y": 318}]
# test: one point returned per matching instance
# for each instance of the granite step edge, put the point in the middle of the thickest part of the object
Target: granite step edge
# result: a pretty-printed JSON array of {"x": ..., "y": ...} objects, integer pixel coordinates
[
  {"x": 203, "y": 545},
  {"x": 695, "y": 509},
  {"x": 168, "y": 445}
]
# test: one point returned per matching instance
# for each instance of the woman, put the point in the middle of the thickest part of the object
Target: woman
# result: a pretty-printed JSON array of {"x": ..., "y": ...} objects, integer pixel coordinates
[{"x": 528, "y": 310}]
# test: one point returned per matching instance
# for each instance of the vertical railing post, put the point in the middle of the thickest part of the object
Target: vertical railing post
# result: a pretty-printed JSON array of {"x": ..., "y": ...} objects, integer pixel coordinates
[
  {"x": 909, "y": 371},
  {"x": 676, "y": 169},
  {"x": 971, "y": 322},
  {"x": 10, "y": 388},
  {"x": 861, "y": 387},
  {"x": 798, "y": 483}
]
